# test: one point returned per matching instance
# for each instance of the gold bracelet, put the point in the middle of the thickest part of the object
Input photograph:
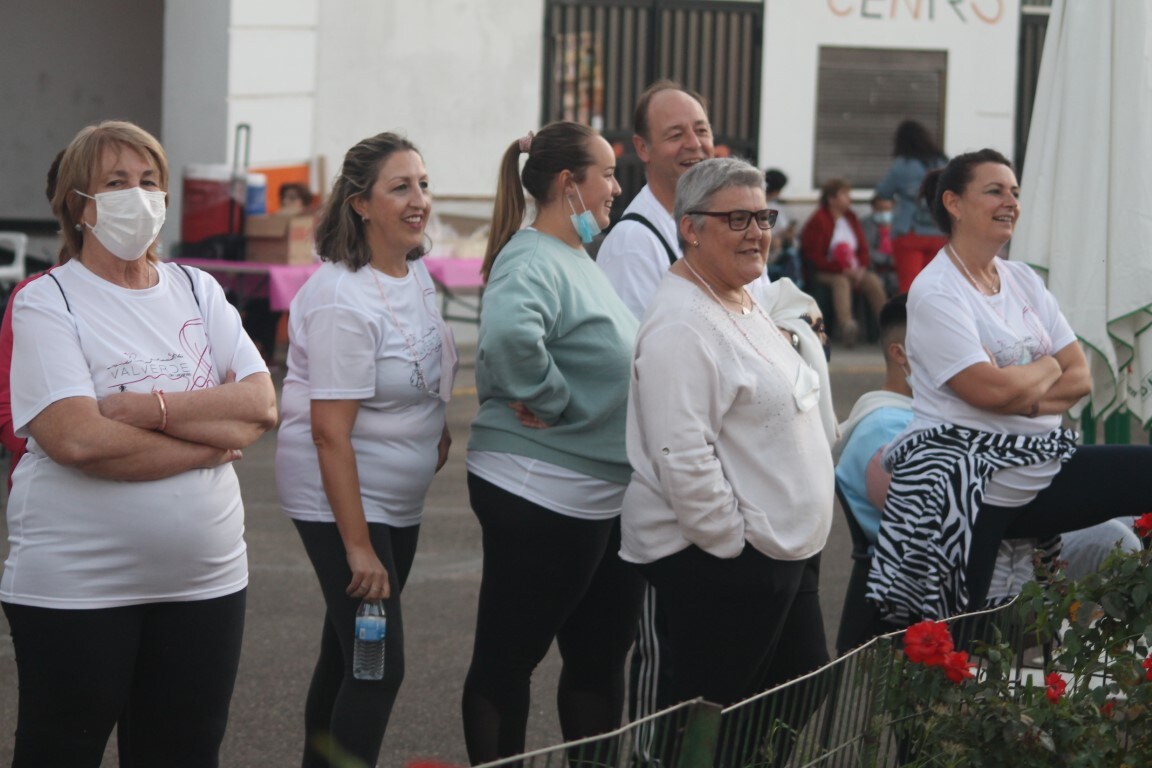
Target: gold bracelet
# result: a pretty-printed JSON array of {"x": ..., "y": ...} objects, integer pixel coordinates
[{"x": 163, "y": 409}]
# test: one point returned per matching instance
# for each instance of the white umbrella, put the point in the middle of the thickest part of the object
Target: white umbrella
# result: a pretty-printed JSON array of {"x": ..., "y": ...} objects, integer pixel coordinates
[{"x": 1087, "y": 190}]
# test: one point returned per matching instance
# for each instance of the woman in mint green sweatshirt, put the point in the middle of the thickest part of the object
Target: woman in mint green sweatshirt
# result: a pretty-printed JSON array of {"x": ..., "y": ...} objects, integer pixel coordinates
[{"x": 546, "y": 460}]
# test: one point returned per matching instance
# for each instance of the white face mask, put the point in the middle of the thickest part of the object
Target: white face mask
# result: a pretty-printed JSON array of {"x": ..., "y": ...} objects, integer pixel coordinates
[{"x": 127, "y": 220}]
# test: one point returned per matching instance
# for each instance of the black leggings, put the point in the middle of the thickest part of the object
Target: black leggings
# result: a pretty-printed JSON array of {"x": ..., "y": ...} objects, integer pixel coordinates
[
  {"x": 169, "y": 668},
  {"x": 353, "y": 713},
  {"x": 738, "y": 627},
  {"x": 546, "y": 576},
  {"x": 1099, "y": 482}
]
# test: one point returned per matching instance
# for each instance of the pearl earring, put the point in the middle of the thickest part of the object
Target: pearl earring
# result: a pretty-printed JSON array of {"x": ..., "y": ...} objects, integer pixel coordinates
[{"x": 695, "y": 243}]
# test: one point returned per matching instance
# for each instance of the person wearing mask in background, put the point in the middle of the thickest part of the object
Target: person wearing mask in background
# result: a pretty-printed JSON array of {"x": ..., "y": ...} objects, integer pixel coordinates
[
  {"x": 547, "y": 466},
  {"x": 877, "y": 227},
  {"x": 125, "y": 521},
  {"x": 370, "y": 368},
  {"x": 915, "y": 236},
  {"x": 835, "y": 250}
]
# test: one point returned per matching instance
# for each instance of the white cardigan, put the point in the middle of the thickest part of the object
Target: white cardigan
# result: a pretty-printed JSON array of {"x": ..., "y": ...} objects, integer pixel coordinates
[{"x": 724, "y": 447}]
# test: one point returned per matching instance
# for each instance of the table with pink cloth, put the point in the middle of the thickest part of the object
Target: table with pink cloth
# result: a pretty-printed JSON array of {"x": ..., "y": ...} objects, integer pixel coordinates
[{"x": 457, "y": 279}]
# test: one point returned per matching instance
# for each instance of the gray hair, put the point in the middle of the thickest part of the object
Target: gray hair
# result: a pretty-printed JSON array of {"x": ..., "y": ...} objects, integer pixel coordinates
[{"x": 696, "y": 188}]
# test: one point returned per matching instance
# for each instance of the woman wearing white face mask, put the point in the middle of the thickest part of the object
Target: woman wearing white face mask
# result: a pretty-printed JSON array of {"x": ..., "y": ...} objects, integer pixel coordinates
[{"x": 137, "y": 387}]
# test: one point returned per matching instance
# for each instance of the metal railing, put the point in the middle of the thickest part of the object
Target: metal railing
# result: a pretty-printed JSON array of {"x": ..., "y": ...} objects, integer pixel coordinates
[
  {"x": 834, "y": 717},
  {"x": 682, "y": 736}
]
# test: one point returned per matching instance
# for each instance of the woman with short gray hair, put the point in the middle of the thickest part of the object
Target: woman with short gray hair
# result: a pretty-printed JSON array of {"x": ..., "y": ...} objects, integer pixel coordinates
[{"x": 730, "y": 500}]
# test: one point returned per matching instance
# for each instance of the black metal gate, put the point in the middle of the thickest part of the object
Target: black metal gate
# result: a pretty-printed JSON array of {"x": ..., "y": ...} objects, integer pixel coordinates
[{"x": 601, "y": 54}]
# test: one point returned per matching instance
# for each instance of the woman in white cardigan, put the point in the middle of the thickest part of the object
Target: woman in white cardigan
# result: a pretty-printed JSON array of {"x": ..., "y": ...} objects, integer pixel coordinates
[{"x": 730, "y": 500}]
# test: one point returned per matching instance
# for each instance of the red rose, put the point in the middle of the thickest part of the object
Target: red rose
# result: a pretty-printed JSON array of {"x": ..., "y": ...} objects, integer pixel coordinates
[
  {"x": 1148, "y": 666},
  {"x": 956, "y": 666},
  {"x": 928, "y": 642},
  {"x": 1056, "y": 687},
  {"x": 1143, "y": 525},
  {"x": 1107, "y": 707}
]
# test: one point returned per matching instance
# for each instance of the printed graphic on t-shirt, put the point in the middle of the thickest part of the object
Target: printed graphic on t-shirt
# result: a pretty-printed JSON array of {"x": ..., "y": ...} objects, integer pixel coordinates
[
  {"x": 1011, "y": 343},
  {"x": 425, "y": 350},
  {"x": 187, "y": 367}
]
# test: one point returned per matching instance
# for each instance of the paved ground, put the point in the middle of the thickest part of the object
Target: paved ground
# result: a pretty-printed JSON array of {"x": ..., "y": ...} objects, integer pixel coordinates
[{"x": 284, "y": 609}]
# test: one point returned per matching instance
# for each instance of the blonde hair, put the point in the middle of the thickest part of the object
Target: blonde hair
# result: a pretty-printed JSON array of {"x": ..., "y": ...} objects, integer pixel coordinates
[{"x": 82, "y": 161}]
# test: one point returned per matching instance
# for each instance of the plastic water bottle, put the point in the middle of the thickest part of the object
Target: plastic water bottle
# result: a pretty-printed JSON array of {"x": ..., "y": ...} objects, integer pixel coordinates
[{"x": 368, "y": 645}]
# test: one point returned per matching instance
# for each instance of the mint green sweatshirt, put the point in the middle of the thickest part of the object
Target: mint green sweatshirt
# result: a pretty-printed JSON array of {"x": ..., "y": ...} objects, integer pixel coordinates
[{"x": 554, "y": 336}]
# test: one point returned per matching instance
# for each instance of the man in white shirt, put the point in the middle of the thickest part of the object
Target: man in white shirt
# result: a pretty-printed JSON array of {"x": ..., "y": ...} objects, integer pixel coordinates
[{"x": 672, "y": 133}]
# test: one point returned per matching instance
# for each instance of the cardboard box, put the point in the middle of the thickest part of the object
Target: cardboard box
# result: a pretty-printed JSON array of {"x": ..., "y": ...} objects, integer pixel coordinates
[{"x": 279, "y": 239}]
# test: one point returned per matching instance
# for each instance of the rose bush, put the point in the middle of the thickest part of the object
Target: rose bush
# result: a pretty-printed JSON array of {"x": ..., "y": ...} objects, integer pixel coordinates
[{"x": 1091, "y": 704}]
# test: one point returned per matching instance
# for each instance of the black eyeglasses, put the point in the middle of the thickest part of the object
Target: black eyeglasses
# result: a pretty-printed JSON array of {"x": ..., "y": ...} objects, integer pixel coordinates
[{"x": 738, "y": 221}]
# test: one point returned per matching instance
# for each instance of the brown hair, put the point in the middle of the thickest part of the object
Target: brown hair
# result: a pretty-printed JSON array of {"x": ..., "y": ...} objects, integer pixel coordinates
[
  {"x": 954, "y": 177},
  {"x": 831, "y": 188},
  {"x": 80, "y": 164},
  {"x": 559, "y": 146},
  {"x": 340, "y": 233}
]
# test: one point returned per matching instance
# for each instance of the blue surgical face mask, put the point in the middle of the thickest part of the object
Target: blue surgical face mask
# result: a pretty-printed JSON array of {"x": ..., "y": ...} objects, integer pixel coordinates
[
  {"x": 585, "y": 223},
  {"x": 882, "y": 217}
]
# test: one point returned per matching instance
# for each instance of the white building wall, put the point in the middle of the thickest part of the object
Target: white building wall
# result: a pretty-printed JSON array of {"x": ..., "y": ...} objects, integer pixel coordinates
[
  {"x": 980, "y": 36},
  {"x": 228, "y": 62},
  {"x": 461, "y": 79},
  {"x": 194, "y": 117},
  {"x": 272, "y": 78}
]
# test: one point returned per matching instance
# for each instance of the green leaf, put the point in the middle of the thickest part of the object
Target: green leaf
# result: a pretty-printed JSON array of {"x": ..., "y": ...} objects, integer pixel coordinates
[{"x": 1114, "y": 604}]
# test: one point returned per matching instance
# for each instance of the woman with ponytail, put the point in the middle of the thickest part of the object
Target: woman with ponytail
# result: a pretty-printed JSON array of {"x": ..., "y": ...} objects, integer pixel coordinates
[{"x": 546, "y": 461}]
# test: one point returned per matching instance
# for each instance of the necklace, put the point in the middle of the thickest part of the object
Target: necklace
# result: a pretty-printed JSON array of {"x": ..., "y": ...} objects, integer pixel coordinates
[
  {"x": 979, "y": 285},
  {"x": 738, "y": 326},
  {"x": 418, "y": 380},
  {"x": 743, "y": 310}
]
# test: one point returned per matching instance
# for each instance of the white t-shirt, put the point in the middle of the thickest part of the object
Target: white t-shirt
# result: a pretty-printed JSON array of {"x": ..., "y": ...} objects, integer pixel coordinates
[
  {"x": 952, "y": 326},
  {"x": 76, "y": 541},
  {"x": 366, "y": 336},
  {"x": 558, "y": 489},
  {"x": 731, "y": 448},
  {"x": 631, "y": 256},
  {"x": 844, "y": 239}
]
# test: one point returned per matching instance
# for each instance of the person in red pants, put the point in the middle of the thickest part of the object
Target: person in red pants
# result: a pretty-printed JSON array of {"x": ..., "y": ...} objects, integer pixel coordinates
[{"x": 915, "y": 237}]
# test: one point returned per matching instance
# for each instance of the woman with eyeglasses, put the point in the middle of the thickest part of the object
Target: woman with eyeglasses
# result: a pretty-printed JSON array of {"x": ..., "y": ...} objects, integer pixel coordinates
[
  {"x": 730, "y": 500},
  {"x": 836, "y": 253}
]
